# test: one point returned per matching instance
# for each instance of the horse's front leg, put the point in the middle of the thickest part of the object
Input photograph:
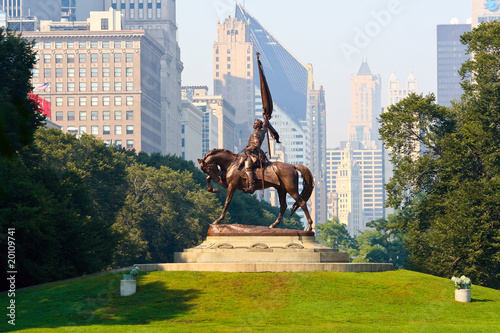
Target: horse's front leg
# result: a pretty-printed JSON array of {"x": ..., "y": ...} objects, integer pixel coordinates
[
  {"x": 209, "y": 186},
  {"x": 230, "y": 192}
]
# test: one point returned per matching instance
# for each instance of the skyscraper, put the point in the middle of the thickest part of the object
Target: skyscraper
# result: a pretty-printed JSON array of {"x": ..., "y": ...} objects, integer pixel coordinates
[
  {"x": 450, "y": 56},
  {"x": 365, "y": 106},
  {"x": 157, "y": 17},
  {"x": 398, "y": 92},
  {"x": 484, "y": 11}
]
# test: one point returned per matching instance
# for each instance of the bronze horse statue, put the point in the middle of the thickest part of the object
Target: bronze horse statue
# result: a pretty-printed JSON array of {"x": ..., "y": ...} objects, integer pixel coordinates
[{"x": 225, "y": 168}]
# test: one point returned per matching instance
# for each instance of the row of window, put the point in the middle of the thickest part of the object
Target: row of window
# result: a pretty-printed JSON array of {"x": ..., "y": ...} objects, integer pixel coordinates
[
  {"x": 94, "y": 72},
  {"x": 94, "y": 115},
  {"x": 94, "y": 101},
  {"x": 82, "y": 57},
  {"x": 83, "y": 45},
  {"x": 106, "y": 129},
  {"x": 70, "y": 86},
  {"x": 140, "y": 8}
]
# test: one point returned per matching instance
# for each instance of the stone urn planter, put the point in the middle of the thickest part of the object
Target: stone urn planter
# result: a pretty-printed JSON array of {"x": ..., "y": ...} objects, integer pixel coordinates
[
  {"x": 462, "y": 295},
  {"x": 128, "y": 286}
]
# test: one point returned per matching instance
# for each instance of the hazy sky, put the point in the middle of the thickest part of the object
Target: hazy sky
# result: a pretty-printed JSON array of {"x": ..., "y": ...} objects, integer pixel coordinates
[{"x": 334, "y": 36}]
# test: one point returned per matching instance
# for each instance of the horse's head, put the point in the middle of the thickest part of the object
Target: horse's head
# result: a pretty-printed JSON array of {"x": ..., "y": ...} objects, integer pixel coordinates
[{"x": 210, "y": 169}]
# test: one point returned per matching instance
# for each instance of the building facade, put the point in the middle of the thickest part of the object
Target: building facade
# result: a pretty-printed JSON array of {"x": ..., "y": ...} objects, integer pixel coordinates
[
  {"x": 157, "y": 18},
  {"x": 102, "y": 82},
  {"x": 451, "y": 53},
  {"x": 365, "y": 105},
  {"x": 484, "y": 11}
]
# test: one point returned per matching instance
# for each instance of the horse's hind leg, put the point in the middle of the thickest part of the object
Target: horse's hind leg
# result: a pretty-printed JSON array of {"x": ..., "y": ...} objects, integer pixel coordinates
[
  {"x": 302, "y": 204},
  {"x": 282, "y": 197}
]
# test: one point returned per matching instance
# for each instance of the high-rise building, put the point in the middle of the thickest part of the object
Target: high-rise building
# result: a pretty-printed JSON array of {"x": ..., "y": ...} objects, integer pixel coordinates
[
  {"x": 233, "y": 73},
  {"x": 484, "y": 11},
  {"x": 398, "y": 92},
  {"x": 371, "y": 170},
  {"x": 191, "y": 129},
  {"x": 217, "y": 111},
  {"x": 365, "y": 106},
  {"x": 101, "y": 82},
  {"x": 68, "y": 10},
  {"x": 451, "y": 53},
  {"x": 157, "y": 18},
  {"x": 317, "y": 106}
]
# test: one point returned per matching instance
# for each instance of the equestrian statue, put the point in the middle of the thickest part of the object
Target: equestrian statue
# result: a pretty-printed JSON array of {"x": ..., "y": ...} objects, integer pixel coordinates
[{"x": 253, "y": 170}]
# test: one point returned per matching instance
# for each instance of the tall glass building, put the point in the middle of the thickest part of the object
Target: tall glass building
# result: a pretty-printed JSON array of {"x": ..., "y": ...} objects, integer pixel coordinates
[{"x": 450, "y": 56}]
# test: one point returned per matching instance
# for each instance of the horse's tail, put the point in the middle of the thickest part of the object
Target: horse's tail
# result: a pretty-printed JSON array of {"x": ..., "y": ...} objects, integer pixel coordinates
[{"x": 307, "y": 187}]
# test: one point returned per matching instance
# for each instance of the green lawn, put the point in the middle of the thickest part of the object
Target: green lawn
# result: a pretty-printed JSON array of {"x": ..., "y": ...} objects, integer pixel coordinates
[{"x": 397, "y": 301}]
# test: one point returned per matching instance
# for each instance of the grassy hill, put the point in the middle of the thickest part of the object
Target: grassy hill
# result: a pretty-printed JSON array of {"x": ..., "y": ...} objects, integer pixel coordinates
[{"x": 397, "y": 301}]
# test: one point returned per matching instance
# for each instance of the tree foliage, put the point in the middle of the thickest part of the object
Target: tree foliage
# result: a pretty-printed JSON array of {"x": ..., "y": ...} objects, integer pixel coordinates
[
  {"x": 449, "y": 188},
  {"x": 19, "y": 116}
]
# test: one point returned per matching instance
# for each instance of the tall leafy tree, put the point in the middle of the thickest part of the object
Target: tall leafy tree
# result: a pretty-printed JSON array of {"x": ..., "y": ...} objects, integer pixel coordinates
[
  {"x": 19, "y": 115},
  {"x": 450, "y": 186}
]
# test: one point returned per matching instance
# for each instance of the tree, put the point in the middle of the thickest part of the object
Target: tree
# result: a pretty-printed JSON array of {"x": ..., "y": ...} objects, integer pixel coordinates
[
  {"x": 19, "y": 115},
  {"x": 449, "y": 191},
  {"x": 165, "y": 212},
  {"x": 334, "y": 234}
]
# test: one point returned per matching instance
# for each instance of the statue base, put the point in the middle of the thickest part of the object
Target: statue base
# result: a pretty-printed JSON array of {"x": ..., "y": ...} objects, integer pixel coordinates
[
  {"x": 245, "y": 248},
  {"x": 236, "y": 243}
]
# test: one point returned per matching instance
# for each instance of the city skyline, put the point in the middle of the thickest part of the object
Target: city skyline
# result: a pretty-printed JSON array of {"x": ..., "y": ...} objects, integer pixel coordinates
[{"x": 394, "y": 36}]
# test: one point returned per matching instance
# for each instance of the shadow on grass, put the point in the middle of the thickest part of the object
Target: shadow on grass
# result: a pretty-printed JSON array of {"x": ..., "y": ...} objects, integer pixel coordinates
[
  {"x": 98, "y": 302},
  {"x": 476, "y": 300}
]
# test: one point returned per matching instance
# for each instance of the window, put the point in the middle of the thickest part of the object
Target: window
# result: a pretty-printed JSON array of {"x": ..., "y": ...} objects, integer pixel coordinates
[
  {"x": 59, "y": 116},
  {"x": 71, "y": 115},
  {"x": 83, "y": 101},
  {"x": 118, "y": 71},
  {"x": 71, "y": 86},
  {"x": 94, "y": 130},
  {"x": 94, "y": 101},
  {"x": 106, "y": 129},
  {"x": 130, "y": 144},
  {"x": 59, "y": 58},
  {"x": 46, "y": 72},
  {"x": 118, "y": 115},
  {"x": 46, "y": 58},
  {"x": 118, "y": 44},
  {"x": 105, "y": 115},
  {"x": 130, "y": 71},
  {"x": 130, "y": 86},
  {"x": 105, "y": 72},
  {"x": 130, "y": 115},
  {"x": 129, "y": 44},
  {"x": 118, "y": 144},
  {"x": 82, "y": 45},
  {"x": 59, "y": 101},
  {"x": 118, "y": 100},
  {"x": 93, "y": 72},
  {"x": 83, "y": 86},
  {"x": 129, "y": 57},
  {"x": 83, "y": 115},
  {"x": 71, "y": 101},
  {"x": 83, "y": 129},
  {"x": 105, "y": 45},
  {"x": 82, "y": 57},
  {"x": 94, "y": 45},
  {"x": 130, "y": 129},
  {"x": 71, "y": 72},
  {"x": 59, "y": 86},
  {"x": 118, "y": 129},
  {"x": 83, "y": 72},
  {"x": 93, "y": 57},
  {"x": 35, "y": 72},
  {"x": 130, "y": 100},
  {"x": 118, "y": 57},
  {"x": 104, "y": 24},
  {"x": 70, "y": 45},
  {"x": 94, "y": 115},
  {"x": 105, "y": 100},
  {"x": 105, "y": 57},
  {"x": 118, "y": 86},
  {"x": 59, "y": 72},
  {"x": 94, "y": 86},
  {"x": 105, "y": 86}
]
